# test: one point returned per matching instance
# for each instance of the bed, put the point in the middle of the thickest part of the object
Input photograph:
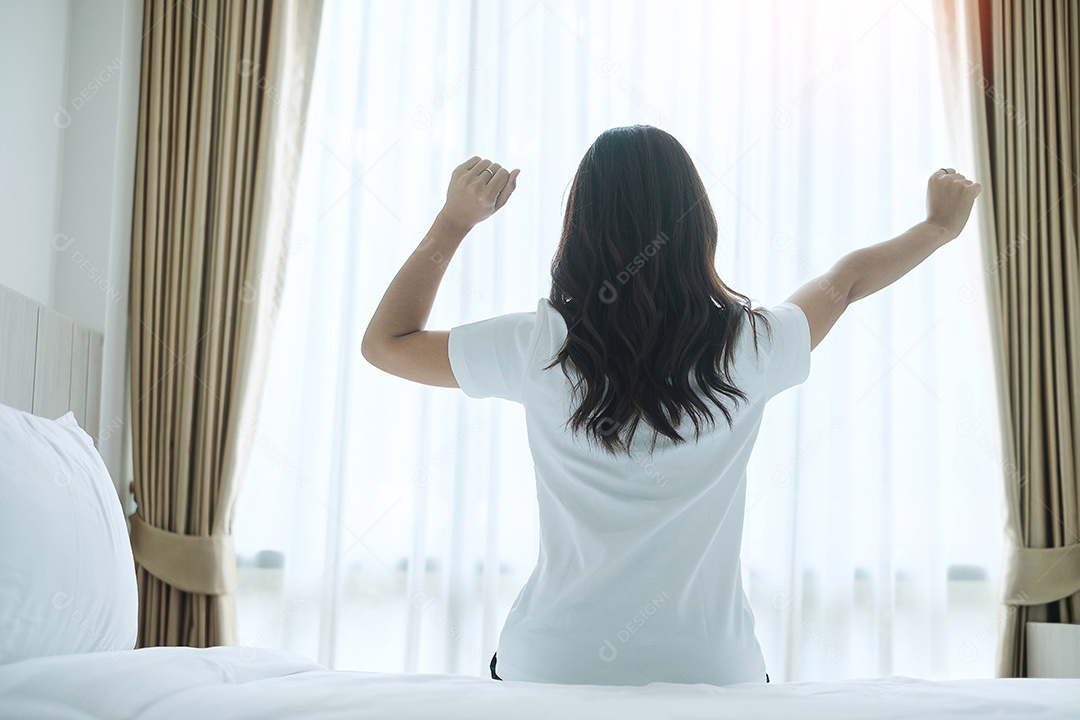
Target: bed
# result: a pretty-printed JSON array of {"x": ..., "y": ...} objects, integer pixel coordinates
[
  {"x": 68, "y": 606},
  {"x": 49, "y": 365},
  {"x": 234, "y": 683}
]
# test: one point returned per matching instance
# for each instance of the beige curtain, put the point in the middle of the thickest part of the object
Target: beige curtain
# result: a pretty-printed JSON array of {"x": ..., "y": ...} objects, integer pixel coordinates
[
  {"x": 224, "y": 93},
  {"x": 1011, "y": 71}
]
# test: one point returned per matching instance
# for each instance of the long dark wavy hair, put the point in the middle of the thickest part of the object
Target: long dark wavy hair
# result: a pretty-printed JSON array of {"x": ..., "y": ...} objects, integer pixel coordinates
[{"x": 635, "y": 280}]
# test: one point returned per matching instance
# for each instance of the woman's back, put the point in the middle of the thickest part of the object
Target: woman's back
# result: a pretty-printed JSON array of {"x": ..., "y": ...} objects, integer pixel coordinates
[{"x": 638, "y": 576}]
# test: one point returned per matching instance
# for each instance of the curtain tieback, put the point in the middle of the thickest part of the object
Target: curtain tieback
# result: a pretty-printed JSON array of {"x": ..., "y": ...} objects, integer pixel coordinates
[
  {"x": 1036, "y": 576},
  {"x": 192, "y": 563}
]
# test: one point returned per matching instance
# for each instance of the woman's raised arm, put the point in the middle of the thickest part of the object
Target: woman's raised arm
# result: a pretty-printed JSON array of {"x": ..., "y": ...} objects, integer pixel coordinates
[{"x": 862, "y": 272}]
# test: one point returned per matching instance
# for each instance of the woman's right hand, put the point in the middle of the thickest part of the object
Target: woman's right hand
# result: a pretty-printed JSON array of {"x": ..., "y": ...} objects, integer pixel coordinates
[{"x": 949, "y": 196}]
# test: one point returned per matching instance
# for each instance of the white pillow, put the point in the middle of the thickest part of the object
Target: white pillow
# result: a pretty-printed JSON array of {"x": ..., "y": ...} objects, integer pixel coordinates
[{"x": 67, "y": 577}]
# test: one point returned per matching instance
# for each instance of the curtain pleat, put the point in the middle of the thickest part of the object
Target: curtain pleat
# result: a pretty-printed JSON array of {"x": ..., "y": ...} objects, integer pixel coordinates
[
  {"x": 1024, "y": 90},
  {"x": 224, "y": 91}
]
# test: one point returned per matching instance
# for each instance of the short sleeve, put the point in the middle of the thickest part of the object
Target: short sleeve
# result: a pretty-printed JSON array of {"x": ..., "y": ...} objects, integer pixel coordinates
[
  {"x": 789, "y": 352},
  {"x": 490, "y": 358}
]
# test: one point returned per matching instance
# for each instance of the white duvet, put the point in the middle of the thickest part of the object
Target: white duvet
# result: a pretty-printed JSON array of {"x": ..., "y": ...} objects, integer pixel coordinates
[{"x": 234, "y": 683}]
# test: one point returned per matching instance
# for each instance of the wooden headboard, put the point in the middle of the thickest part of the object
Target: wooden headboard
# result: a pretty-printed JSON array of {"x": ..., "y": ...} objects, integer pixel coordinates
[{"x": 48, "y": 364}]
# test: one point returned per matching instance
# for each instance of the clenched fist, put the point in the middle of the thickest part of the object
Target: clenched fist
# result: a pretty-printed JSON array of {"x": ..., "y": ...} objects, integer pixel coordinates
[
  {"x": 477, "y": 189},
  {"x": 949, "y": 197}
]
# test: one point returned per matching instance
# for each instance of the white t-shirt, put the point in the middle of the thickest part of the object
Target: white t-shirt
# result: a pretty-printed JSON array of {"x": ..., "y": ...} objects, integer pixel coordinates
[{"x": 638, "y": 577}]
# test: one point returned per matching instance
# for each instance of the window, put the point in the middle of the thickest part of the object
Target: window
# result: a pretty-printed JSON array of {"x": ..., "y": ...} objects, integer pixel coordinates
[{"x": 386, "y": 526}]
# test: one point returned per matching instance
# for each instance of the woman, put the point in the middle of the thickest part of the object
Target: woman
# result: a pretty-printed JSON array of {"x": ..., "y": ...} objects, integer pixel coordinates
[{"x": 638, "y": 577}]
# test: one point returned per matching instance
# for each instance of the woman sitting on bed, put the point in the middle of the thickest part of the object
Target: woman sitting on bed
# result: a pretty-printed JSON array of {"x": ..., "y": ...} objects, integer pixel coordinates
[{"x": 638, "y": 577}]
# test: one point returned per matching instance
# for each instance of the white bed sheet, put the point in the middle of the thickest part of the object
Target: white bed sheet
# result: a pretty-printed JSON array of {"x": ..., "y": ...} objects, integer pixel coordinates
[{"x": 235, "y": 683}]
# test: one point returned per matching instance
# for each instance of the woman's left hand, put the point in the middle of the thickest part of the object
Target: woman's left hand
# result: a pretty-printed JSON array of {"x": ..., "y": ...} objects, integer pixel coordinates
[{"x": 477, "y": 189}]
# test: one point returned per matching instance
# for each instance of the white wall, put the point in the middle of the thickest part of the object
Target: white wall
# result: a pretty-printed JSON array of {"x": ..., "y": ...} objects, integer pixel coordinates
[
  {"x": 33, "y": 60},
  {"x": 68, "y": 122},
  {"x": 83, "y": 287},
  {"x": 91, "y": 271}
]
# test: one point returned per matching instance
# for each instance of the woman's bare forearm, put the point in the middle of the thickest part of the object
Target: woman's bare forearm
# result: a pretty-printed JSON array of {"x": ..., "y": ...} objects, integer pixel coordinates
[
  {"x": 877, "y": 266},
  {"x": 862, "y": 272},
  {"x": 407, "y": 303}
]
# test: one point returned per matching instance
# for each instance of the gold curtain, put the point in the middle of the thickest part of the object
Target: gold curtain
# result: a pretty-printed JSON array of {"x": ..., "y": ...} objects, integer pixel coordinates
[
  {"x": 1017, "y": 77},
  {"x": 224, "y": 93}
]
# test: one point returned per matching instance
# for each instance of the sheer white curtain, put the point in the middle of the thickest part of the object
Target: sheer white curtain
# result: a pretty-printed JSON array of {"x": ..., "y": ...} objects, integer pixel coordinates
[{"x": 388, "y": 526}]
